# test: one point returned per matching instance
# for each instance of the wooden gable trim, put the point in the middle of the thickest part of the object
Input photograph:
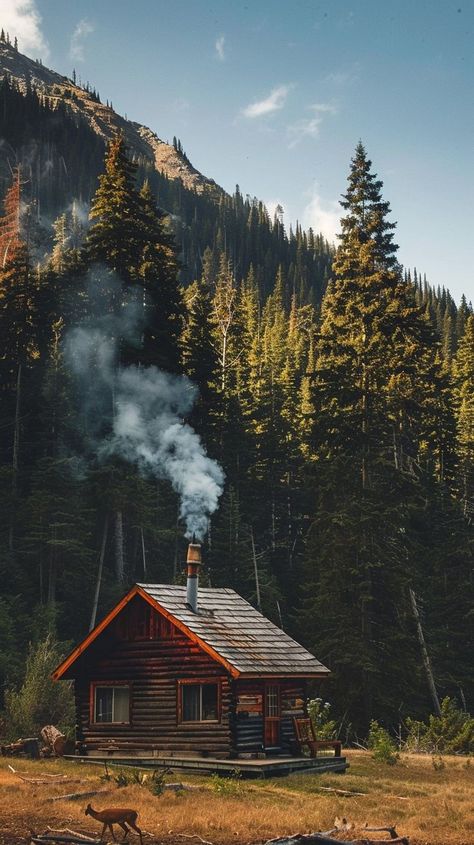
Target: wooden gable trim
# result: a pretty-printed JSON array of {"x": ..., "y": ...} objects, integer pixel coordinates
[
  {"x": 136, "y": 590},
  {"x": 64, "y": 666}
]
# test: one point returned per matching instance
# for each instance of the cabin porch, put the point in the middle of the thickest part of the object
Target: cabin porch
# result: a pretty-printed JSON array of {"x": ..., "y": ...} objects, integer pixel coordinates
[{"x": 248, "y": 768}]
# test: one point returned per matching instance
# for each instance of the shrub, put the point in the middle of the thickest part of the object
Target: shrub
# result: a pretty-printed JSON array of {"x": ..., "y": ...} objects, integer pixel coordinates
[
  {"x": 324, "y": 726},
  {"x": 382, "y": 745},
  {"x": 40, "y": 700},
  {"x": 450, "y": 733},
  {"x": 153, "y": 781},
  {"x": 230, "y": 785}
]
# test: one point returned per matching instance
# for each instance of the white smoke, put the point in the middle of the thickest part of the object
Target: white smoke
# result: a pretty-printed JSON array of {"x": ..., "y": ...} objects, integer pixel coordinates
[
  {"x": 138, "y": 414},
  {"x": 149, "y": 430}
]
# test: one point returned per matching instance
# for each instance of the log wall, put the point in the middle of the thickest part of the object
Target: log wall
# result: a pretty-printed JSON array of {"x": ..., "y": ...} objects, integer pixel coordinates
[
  {"x": 248, "y": 715},
  {"x": 152, "y": 668}
]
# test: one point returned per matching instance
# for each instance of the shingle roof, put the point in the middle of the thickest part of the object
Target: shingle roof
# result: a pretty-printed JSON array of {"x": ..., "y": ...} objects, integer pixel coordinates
[{"x": 237, "y": 632}]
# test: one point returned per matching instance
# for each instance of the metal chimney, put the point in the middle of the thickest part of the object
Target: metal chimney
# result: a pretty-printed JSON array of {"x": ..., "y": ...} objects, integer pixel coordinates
[{"x": 193, "y": 561}]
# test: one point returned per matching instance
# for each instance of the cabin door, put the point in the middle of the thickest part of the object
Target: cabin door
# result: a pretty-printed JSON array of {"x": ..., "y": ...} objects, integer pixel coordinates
[{"x": 272, "y": 716}]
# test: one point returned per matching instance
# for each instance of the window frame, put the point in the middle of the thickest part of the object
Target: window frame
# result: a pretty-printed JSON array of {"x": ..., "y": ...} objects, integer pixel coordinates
[
  {"x": 198, "y": 682},
  {"x": 94, "y": 685}
]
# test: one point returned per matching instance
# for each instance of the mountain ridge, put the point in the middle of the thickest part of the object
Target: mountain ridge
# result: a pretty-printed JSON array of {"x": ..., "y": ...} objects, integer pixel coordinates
[{"x": 103, "y": 119}]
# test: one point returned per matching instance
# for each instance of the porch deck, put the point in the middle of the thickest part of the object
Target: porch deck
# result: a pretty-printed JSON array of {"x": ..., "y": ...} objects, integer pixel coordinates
[{"x": 265, "y": 768}]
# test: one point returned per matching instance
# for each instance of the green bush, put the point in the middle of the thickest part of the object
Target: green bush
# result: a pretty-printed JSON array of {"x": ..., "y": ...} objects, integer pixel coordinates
[
  {"x": 153, "y": 781},
  {"x": 324, "y": 726},
  {"x": 40, "y": 700},
  {"x": 450, "y": 733},
  {"x": 230, "y": 785},
  {"x": 382, "y": 745}
]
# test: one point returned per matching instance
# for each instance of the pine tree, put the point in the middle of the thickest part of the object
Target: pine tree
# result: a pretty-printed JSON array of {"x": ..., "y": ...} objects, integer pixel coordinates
[
  {"x": 158, "y": 274},
  {"x": 114, "y": 238},
  {"x": 200, "y": 358},
  {"x": 374, "y": 368},
  {"x": 463, "y": 384}
]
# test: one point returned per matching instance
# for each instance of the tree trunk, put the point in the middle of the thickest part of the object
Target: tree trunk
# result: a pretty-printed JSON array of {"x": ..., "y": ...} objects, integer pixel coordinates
[
  {"x": 425, "y": 656},
  {"x": 52, "y": 574},
  {"x": 15, "y": 458},
  {"x": 119, "y": 559},
  {"x": 255, "y": 568},
  {"x": 177, "y": 535},
  {"x": 143, "y": 553},
  {"x": 99, "y": 574}
]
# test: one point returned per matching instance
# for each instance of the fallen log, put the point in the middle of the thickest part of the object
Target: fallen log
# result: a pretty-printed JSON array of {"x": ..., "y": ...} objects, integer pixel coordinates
[
  {"x": 305, "y": 839},
  {"x": 71, "y": 796},
  {"x": 54, "y": 740},
  {"x": 346, "y": 792},
  {"x": 66, "y": 830},
  {"x": 52, "y": 778},
  {"x": 65, "y": 840},
  {"x": 177, "y": 787},
  {"x": 390, "y": 829},
  {"x": 322, "y": 839},
  {"x": 194, "y": 836}
]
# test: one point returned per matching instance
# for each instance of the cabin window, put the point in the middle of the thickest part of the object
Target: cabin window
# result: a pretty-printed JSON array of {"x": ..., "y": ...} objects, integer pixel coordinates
[
  {"x": 199, "y": 702},
  {"x": 111, "y": 703},
  {"x": 272, "y": 701}
]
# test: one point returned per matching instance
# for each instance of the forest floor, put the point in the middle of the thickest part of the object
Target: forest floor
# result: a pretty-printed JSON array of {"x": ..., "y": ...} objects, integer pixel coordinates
[{"x": 431, "y": 804}]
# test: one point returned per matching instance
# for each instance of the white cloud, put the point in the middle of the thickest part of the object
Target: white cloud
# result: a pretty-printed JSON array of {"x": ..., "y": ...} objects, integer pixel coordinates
[
  {"x": 308, "y": 127},
  {"x": 220, "y": 48},
  {"x": 22, "y": 20},
  {"x": 323, "y": 108},
  {"x": 342, "y": 78},
  {"x": 76, "y": 48},
  {"x": 275, "y": 101},
  {"x": 321, "y": 217}
]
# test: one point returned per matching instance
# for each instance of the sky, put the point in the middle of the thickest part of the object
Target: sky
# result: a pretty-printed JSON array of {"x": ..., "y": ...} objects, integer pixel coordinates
[{"x": 275, "y": 95}]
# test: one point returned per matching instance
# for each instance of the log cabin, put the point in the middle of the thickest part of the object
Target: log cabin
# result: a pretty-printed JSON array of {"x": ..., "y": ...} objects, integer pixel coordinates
[{"x": 176, "y": 671}]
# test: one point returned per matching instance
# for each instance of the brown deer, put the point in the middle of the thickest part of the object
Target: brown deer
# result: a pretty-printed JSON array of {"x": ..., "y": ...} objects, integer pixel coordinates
[{"x": 115, "y": 815}]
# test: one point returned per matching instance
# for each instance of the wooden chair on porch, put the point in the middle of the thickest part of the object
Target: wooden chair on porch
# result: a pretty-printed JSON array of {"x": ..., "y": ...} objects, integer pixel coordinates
[{"x": 305, "y": 735}]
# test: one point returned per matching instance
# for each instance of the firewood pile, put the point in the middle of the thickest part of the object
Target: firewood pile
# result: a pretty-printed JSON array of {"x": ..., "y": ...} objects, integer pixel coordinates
[{"x": 52, "y": 744}]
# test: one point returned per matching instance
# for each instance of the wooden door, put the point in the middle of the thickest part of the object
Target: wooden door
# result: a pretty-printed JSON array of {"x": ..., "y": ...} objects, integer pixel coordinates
[{"x": 272, "y": 716}]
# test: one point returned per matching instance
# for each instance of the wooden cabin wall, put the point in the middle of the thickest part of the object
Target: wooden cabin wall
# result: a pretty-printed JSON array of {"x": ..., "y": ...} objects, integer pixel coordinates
[
  {"x": 293, "y": 703},
  {"x": 248, "y": 722},
  {"x": 152, "y": 668},
  {"x": 248, "y": 717}
]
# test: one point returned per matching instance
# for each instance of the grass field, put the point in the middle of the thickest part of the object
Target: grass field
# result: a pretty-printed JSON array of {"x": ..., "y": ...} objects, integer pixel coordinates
[{"x": 433, "y": 806}]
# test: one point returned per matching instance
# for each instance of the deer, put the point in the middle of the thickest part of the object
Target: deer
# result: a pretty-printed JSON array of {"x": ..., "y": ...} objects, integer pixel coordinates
[{"x": 115, "y": 815}]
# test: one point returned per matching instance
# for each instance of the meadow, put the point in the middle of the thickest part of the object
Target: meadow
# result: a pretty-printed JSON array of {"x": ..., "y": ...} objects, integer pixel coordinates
[{"x": 430, "y": 800}]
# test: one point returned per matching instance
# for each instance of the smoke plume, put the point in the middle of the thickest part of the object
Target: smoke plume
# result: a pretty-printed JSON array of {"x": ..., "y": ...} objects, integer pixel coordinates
[{"x": 138, "y": 413}]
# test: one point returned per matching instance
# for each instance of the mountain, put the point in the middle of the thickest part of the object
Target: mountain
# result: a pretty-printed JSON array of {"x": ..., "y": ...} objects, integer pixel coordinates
[
  {"x": 84, "y": 105},
  {"x": 57, "y": 132}
]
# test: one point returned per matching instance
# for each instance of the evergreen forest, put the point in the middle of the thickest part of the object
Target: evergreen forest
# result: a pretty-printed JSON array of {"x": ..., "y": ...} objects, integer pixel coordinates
[{"x": 335, "y": 390}]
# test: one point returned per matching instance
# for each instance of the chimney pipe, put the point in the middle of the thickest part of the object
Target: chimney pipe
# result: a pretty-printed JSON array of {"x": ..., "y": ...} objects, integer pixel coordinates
[{"x": 193, "y": 562}]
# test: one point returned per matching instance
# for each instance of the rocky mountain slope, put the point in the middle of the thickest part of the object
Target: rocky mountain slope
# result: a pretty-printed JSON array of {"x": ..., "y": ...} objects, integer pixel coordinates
[{"x": 102, "y": 119}]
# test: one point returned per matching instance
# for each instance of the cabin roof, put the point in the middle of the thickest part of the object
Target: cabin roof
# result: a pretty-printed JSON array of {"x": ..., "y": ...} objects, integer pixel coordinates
[
  {"x": 237, "y": 632},
  {"x": 226, "y": 626}
]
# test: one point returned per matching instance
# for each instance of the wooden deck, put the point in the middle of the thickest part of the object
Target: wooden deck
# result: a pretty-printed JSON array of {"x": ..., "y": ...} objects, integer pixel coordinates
[{"x": 267, "y": 768}]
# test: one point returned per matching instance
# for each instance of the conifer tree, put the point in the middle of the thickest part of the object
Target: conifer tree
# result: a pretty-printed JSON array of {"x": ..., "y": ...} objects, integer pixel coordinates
[
  {"x": 463, "y": 383},
  {"x": 374, "y": 367},
  {"x": 158, "y": 274},
  {"x": 114, "y": 237}
]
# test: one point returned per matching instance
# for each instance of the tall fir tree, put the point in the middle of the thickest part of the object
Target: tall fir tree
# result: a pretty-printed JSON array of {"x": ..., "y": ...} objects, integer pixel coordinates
[{"x": 374, "y": 365}]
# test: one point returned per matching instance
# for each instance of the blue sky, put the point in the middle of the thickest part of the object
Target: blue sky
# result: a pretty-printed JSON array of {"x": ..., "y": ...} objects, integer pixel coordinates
[{"x": 275, "y": 95}]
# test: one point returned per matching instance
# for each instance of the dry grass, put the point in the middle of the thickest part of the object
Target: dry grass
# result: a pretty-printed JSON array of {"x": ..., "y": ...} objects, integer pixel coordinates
[{"x": 431, "y": 807}]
